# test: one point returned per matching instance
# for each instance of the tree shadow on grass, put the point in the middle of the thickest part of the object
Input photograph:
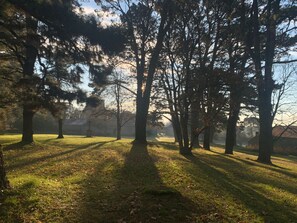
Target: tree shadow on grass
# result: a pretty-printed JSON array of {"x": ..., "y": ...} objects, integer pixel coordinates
[
  {"x": 255, "y": 152},
  {"x": 133, "y": 192},
  {"x": 273, "y": 167},
  {"x": 26, "y": 161},
  {"x": 60, "y": 142},
  {"x": 251, "y": 162},
  {"x": 166, "y": 145},
  {"x": 19, "y": 145},
  {"x": 224, "y": 161},
  {"x": 241, "y": 188},
  {"x": 238, "y": 166},
  {"x": 170, "y": 145}
]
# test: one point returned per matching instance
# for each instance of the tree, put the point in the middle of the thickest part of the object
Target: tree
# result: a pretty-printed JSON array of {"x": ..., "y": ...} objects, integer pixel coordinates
[
  {"x": 121, "y": 94},
  {"x": 192, "y": 74},
  {"x": 210, "y": 75},
  {"x": 26, "y": 28},
  {"x": 283, "y": 98},
  {"x": 213, "y": 104},
  {"x": 64, "y": 71},
  {"x": 147, "y": 23},
  {"x": 267, "y": 21},
  {"x": 94, "y": 108},
  {"x": 26, "y": 36},
  {"x": 3, "y": 180},
  {"x": 4, "y": 183},
  {"x": 237, "y": 68},
  {"x": 176, "y": 74}
]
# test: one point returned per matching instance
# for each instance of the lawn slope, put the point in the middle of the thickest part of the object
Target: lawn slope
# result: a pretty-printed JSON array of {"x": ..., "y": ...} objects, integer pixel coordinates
[{"x": 98, "y": 179}]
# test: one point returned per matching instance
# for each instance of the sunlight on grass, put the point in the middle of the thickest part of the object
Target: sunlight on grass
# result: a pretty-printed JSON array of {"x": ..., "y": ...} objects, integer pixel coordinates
[{"x": 79, "y": 179}]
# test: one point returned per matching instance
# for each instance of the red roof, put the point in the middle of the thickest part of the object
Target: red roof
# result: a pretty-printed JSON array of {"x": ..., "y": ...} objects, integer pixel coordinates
[{"x": 285, "y": 131}]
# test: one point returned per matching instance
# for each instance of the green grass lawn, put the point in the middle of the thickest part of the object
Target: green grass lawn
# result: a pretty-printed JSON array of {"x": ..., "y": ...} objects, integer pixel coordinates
[{"x": 98, "y": 179}]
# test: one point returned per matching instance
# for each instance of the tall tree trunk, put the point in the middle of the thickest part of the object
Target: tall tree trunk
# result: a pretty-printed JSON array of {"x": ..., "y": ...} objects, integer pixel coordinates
[
  {"x": 231, "y": 130},
  {"x": 235, "y": 99},
  {"x": 140, "y": 121},
  {"x": 119, "y": 135},
  {"x": 60, "y": 123},
  {"x": 175, "y": 127},
  {"x": 185, "y": 149},
  {"x": 143, "y": 96},
  {"x": 265, "y": 83},
  {"x": 206, "y": 138},
  {"x": 178, "y": 132},
  {"x": 119, "y": 126},
  {"x": 28, "y": 70},
  {"x": 118, "y": 111},
  {"x": 89, "y": 131},
  {"x": 28, "y": 114},
  {"x": 265, "y": 105},
  {"x": 4, "y": 183},
  {"x": 265, "y": 133},
  {"x": 174, "y": 133},
  {"x": 235, "y": 96}
]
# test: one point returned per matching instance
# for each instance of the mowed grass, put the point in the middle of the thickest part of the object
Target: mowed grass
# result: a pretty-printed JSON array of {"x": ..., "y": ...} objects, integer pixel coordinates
[{"x": 98, "y": 179}]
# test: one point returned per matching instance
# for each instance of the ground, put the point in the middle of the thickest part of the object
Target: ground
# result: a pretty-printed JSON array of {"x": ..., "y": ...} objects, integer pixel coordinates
[{"x": 98, "y": 179}]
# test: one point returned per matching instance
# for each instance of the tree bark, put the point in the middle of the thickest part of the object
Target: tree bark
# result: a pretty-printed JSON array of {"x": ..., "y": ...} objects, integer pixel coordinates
[
  {"x": 140, "y": 121},
  {"x": 231, "y": 130},
  {"x": 89, "y": 131},
  {"x": 235, "y": 99},
  {"x": 119, "y": 135},
  {"x": 4, "y": 183},
  {"x": 28, "y": 114},
  {"x": 265, "y": 105},
  {"x": 265, "y": 133},
  {"x": 265, "y": 83},
  {"x": 118, "y": 111},
  {"x": 28, "y": 70},
  {"x": 185, "y": 149},
  {"x": 60, "y": 123},
  {"x": 119, "y": 125},
  {"x": 177, "y": 127},
  {"x": 174, "y": 133}
]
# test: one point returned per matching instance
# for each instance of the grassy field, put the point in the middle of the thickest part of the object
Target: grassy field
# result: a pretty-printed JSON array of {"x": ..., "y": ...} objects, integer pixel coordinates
[{"x": 98, "y": 179}]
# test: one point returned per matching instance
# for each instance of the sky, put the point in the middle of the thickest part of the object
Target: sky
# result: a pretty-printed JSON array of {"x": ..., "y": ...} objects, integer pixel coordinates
[{"x": 88, "y": 4}]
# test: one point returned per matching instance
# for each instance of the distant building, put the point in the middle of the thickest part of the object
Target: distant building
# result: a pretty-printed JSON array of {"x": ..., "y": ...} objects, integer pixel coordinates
[{"x": 285, "y": 140}]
